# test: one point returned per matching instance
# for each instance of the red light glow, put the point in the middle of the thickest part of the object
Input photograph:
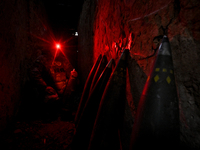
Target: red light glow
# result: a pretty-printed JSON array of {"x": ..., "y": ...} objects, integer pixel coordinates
[
  {"x": 58, "y": 46},
  {"x": 51, "y": 43}
]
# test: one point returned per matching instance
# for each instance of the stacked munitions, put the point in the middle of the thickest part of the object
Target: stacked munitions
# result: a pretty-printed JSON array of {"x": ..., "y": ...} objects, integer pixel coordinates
[
  {"x": 110, "y": 113},
  {"x": 101, "y": 110},
  {"x": 157, "y": 118},
  {"x": 86, "y": 89},
  {"x": 87, "y": 119}
]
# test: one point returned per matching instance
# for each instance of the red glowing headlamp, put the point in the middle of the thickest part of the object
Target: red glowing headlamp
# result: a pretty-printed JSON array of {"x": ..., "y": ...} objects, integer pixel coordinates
[{"x": 58, "y": 46}]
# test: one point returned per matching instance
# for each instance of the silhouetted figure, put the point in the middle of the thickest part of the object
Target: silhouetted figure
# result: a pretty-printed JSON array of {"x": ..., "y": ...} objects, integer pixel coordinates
[{"x": 50, "y": 74}]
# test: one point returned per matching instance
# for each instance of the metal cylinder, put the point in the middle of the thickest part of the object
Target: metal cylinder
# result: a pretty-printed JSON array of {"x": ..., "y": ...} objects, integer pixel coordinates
[{"x": 157, "y": 116}]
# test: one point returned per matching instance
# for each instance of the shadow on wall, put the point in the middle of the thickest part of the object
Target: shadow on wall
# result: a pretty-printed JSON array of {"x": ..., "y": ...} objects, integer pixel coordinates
[
  {"x": 187, "y": 71},
  {"x": 18, "y": 23},
  {"x": 85, "y": 39}
]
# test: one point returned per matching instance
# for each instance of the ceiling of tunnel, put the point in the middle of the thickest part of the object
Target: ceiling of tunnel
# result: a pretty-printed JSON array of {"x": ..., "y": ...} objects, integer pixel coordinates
[{"x": 63, "y": 15}]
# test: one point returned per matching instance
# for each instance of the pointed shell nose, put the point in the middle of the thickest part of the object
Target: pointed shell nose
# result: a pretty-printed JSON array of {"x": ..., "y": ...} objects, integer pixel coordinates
[{"x": 164, "y": 48}]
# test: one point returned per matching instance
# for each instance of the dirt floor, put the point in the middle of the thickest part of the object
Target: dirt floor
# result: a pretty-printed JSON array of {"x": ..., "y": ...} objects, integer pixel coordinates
[
  {"x": 38, "y": 135},
  {"x": 40, "y": 130}
]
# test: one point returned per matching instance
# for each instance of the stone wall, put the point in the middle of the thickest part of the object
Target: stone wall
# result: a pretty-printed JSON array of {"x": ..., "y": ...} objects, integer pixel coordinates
[
  {"x": 20, "y": 23},
  {"x": 85, "y": 39},
  {"x": 146, "y": 21}
]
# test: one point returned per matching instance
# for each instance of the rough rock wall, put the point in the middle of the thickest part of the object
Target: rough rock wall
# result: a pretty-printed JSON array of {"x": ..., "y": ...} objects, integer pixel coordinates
[
  {"x": 147, "y": 21},
  {"x": 85, "y": 39},
  {"x": 18, "y": 22}
]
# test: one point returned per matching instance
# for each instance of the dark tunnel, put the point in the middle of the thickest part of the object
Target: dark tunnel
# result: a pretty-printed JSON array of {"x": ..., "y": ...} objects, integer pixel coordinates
[{"x": 99, "y": 74}]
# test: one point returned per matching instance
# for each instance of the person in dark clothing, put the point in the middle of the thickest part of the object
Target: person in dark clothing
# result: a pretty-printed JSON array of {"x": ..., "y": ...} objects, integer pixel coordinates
[{"x": 50, "y": 74}]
